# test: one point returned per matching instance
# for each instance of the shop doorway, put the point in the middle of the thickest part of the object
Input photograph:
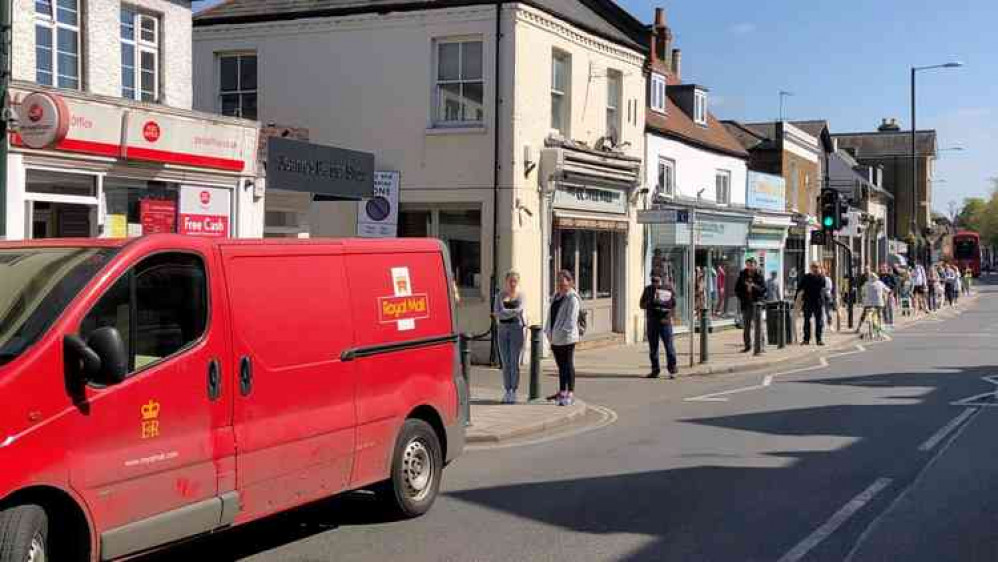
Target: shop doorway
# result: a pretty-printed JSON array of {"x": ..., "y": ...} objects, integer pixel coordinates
[
  {"x": 595, "y": 260},
  {"x": 62, "y": 220}
]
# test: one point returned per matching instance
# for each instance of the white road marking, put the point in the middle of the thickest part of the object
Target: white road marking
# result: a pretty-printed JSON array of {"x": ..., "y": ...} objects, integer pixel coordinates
[
  {"x": 766, "y": 381},
  {"x": 837, "y": 520},
  {"x": 945, "y": 430},
  {"x": 608, "y": 418},
  {"x": 989, "y": 396}
]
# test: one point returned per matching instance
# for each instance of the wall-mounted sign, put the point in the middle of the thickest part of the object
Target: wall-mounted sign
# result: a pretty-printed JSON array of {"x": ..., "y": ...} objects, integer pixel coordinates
[
  {"x": 174, "y": 139},
  {"x": 663, "y": 216},
  {"x": 598, "y": 199},
  {"x": 327, "y": 172},
  {"x": 204, "y": 211},
  {"x": 766, "y": 191},
  {"x": 157, "y": 216},
  {"x": 377, "y": 217},
  {"x": 43, "y": 120}
]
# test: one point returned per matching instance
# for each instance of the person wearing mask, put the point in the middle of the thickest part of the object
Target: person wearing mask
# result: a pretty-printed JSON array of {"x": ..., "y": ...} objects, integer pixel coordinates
[
  {"x": 812, "y": 293},
  {"x": 773, "y": 292},
  {"x": 889, "y": 281},
  {"x": 659, "y": 301},
  {"x": 509, "y": 313},
  {"x": 750, "y": 288},
  {"x": 874, "y": 298},
  {"x": 562, "y": 329}
]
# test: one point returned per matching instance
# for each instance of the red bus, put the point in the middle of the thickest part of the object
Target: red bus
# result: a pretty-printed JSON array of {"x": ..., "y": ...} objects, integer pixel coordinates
[{"x": 967, "y": 251}]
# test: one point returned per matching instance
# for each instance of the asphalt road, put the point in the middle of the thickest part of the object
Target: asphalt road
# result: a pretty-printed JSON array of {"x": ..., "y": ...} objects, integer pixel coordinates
[{"x": 867, "y": 458}]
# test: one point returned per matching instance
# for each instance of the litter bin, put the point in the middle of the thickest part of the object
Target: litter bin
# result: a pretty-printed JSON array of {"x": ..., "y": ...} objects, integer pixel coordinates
[{"x": 773, "y": 322}]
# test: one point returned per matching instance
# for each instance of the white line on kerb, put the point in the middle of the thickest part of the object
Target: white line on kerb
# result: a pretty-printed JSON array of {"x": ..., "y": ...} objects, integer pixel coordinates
[
  {"x": 946, "y": 429},
  {"x": 841, "y": 516}
]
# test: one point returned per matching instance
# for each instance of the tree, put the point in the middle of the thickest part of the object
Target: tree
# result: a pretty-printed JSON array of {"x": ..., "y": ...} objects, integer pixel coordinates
[{"x": 972, "y": 213}]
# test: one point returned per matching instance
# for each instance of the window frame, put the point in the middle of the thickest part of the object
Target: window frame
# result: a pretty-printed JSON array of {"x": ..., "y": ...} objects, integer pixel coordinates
[
  {"x": 565, "y": 96},
  {"x": 51, "y": 22},
  {"x": 433, "y": 231},
  {"x": 436, "y": 120},
  {"x": 661, "y": 189},
  {"x": 239, "y": 92},
  {"x": 130, "y": 272},
  {"x": 700, "y": 107},
  {"x": 726, "y": 176},
  {"x": 140, "y": 46},
  {"x": 613, "y": 109},
  {"x": 656, "y": 96}
]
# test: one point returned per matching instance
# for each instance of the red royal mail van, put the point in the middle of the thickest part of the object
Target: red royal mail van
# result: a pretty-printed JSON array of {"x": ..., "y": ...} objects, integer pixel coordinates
[{"x": 167, "y": 387}]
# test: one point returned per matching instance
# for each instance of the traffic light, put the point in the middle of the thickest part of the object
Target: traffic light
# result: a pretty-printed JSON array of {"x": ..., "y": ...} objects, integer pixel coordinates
[{"x": 831, "y": 210}]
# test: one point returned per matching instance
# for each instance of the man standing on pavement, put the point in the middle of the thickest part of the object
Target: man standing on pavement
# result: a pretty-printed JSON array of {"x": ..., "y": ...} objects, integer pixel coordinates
[
  {"x": 750, "y": 289},
  {"x": 658, "y": 301},
  {"x": 812, "y": 289},
  {"x": 891, "y": 282}
]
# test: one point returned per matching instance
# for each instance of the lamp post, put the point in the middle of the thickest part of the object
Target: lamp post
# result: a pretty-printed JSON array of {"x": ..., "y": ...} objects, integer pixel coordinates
[{"x": 914, "y": 160}]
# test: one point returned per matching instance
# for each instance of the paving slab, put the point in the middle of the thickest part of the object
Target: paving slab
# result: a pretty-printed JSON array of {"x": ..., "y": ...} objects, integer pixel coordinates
[{"x": 494, "y": 422}]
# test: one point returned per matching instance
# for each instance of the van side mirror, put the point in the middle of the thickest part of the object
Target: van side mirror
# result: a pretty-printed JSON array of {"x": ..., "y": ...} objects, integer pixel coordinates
[{"x": 106, "y": 342}]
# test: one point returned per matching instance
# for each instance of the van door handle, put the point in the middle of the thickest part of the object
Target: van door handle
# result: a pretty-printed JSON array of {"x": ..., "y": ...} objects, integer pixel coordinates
[
  {"x": 214, "y": 380},
  {"x": 245, "y": 376}
]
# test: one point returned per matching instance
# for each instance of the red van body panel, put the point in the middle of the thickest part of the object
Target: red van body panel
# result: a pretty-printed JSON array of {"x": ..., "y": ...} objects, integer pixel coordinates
[{"x": 342, "y": 340}]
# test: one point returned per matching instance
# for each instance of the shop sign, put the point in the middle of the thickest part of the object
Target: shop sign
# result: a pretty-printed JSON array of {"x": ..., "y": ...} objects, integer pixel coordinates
[
  {"x": 157, "y": 216},
  {"x": 43, "y": 120},
  {"x": 596, "y": 199},
  {"x": 328, "y": 172},
  {"x": 720, "y": 233},
  {"x": 204, "y": 211},
  {"x": 766, "y": 191},
  {"x": 377, "y": 217},
  {"x": 175, "y": 139},
  {"x": 664, "y": 216}
]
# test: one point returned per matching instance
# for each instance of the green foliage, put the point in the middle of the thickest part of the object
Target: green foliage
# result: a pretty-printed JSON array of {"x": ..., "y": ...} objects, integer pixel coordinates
[{"x": 981, "y": 215}]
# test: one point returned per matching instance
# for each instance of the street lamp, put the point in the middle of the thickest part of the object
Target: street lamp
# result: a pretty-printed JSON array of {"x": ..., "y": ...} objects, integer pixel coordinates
[{"x": 914, "y": 152}]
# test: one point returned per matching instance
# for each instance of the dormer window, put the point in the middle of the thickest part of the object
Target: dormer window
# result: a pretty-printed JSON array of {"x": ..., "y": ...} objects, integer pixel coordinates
[
  {"x": 657, "y": 96},
  {"x": 700, "y": 108}
]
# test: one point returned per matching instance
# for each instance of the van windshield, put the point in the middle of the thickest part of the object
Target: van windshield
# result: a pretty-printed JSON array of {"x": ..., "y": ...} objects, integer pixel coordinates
[{"x": 36, "y": 285}]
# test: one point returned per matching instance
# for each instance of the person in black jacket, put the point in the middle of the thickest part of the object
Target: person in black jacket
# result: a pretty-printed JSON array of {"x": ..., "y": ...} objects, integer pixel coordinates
[
  {"x": 812, "y": 287},
  {"x": 658, "y": 301},
  {"x": 750, "y": 289}
]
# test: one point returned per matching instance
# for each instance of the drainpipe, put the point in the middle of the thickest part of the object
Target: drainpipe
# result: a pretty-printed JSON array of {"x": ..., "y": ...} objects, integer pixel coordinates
[
  {"x": 494, "y": 278},
  {"x": 6, "y": 11}
]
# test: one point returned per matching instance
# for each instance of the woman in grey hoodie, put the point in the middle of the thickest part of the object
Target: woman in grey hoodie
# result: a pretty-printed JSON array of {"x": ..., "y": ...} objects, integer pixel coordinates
[
  {"x": 508, "y": 311},
  {"x": 562, "y": 329}
]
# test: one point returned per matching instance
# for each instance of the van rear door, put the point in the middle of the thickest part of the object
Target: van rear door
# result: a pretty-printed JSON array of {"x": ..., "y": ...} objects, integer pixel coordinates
[{"x": 294, "y": 415}]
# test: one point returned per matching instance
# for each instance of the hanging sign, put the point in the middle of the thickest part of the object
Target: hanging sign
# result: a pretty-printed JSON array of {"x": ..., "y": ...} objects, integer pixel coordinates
[{"x": 43, "y": 120}]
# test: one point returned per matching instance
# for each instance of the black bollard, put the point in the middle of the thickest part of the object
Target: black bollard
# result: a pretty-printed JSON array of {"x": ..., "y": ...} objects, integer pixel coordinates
[
  {"x": 704, "y": 355},
  {"x": 535, "y": 362},
  {"x": 758, "y": 328},
  {"x": 465, "y": 349},
  {"x": 781, "y": 324}
]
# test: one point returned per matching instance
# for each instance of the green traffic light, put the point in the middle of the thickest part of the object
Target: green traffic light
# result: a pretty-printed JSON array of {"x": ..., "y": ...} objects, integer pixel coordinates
[{"x": 828, "y": 221}]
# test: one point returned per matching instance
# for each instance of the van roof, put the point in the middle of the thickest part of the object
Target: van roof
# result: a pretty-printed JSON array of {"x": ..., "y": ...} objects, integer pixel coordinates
[{"x": 358, "y": 245}]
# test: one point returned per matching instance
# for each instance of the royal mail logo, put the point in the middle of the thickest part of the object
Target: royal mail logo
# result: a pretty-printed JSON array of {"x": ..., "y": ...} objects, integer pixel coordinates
[
  {"x": 35, "y": 113},
  {"x": 150, "y": 420},
  {"x": 151, "y": 131},
  {"x": 394, "y": 309}
]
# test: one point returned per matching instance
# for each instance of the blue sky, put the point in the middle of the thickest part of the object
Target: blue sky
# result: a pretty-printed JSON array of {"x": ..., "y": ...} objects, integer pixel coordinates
[{"x": 848, "y": 62}]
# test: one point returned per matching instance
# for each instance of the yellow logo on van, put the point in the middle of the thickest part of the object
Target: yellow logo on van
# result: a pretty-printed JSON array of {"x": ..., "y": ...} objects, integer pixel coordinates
[
  {"x": 394, "y": 309},
  {"x": 150, "y": 420}
]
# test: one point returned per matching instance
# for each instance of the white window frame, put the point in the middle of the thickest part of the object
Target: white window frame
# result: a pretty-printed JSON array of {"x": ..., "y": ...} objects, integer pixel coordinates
[
  {"x": 658, "y": 92},
  {"x": 239, "y": 91},
  {"x": 613, "y": 116},
  {"x": 51, "y": 22},
  {"x": 700, "y": 107},
  {"x": 722, "y": 189},
  {"x": 140, "y": 46},
  {"x": 436, "y": 119},
  {"x": 666, "y": 188},
  {"x": 564, "y": 95}
]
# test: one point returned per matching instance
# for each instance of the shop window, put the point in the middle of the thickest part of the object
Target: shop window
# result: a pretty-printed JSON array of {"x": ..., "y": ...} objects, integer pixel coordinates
[
  {"x": 460, "y": 94},
  {"x": 160, "y": 308},
  {"x": 460, "y": 230},
  {"x": 561, "y": 89},
  {"x": 139, "y": 55},
  {"x": 57, "y": 43},
  {"x": 58, "y": 183},
  {"x": 614, "y": 93},
  {"x": 604, "y": 265},
  {"x": 587, "y": 263},
  {"x": 588, "y": 256},
  {"x": 136, "y": 207},
  {"x": 238, "y": 85}
]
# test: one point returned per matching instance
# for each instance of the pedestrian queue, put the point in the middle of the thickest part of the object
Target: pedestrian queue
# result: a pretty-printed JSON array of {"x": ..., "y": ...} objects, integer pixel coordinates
[
  {"x": 659, "y": 301},
  {"x": 512, "y": 324},
  {"x": 562, "y": 330}
]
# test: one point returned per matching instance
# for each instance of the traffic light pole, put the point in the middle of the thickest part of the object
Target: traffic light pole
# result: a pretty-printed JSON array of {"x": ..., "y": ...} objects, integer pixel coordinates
[{"x": 851, "y": 294}]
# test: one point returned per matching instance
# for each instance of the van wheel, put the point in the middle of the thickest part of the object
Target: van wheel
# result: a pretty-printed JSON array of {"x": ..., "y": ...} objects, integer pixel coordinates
[
  {"x": 416, "y": 470},
  {"x": 24, "y": 534}
]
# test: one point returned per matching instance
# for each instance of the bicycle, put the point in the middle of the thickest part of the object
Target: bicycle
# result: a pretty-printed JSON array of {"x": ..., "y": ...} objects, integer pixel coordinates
[{"x": 874, "y": 324}]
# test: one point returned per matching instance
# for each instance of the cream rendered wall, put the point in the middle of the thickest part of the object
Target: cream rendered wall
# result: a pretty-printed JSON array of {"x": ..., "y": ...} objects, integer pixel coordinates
[
  {"x": 695, "y": 168},
  {"x": 366, "y": 83},
  {"x": 536, "y": 35}
]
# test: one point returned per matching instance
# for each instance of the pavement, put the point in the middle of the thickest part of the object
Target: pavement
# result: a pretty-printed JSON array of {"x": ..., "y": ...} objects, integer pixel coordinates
[
  {"x": 494, "y": 422},
  {"x": 883, "y": 451}
]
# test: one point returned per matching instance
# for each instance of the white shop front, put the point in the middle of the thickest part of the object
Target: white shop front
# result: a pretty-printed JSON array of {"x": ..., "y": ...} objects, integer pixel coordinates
[{"x": 122, "y": 169}]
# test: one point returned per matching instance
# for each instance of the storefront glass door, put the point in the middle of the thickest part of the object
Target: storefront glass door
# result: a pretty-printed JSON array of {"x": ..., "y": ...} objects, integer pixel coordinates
[{"x": 590, "y": 255}]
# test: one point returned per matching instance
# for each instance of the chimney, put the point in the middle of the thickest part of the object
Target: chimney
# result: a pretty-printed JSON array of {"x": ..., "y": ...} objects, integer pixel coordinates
[
  {"x": 889, "y": 125},
  {"x": 677, "y": 60},
  {"x": 661, "y": 38}
]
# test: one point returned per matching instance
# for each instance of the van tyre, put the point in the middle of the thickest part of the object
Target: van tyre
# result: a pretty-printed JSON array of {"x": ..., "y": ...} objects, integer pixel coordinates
[
  {"x": 24, "y": 534},
  {"x": 416, "y": 470}
]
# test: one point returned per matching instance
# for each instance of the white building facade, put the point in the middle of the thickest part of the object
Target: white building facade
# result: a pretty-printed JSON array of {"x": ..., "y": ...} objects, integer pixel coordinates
[
  {"x": 523, "y": 154},
  {"x": 105, "y": 142}
]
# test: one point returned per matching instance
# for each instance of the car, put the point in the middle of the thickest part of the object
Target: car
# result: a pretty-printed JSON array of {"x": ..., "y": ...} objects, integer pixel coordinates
[{"x": 165, "y": 387}]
